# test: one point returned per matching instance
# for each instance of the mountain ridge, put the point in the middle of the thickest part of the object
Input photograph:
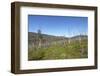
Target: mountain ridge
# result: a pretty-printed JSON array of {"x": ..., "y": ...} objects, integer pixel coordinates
[{"x": 33, "y": 33}]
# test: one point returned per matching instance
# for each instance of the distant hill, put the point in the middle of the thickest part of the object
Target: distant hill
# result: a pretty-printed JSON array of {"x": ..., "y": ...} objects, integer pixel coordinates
[
  {"x": 79, "y": 36},
  {"x": 51, "y": 38}
]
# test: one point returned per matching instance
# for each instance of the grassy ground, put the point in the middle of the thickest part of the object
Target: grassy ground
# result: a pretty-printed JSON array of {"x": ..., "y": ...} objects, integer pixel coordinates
[{"x": 59, "y": 51}]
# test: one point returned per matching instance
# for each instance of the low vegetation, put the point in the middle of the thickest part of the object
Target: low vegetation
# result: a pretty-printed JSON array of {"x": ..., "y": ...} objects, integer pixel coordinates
[{"x": 72, "y": 50}]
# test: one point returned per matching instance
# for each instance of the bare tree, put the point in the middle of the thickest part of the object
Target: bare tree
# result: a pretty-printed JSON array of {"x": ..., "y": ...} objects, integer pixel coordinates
[
  {"x": 40, "y": 37},
  {"x": 82, "y": 49}
]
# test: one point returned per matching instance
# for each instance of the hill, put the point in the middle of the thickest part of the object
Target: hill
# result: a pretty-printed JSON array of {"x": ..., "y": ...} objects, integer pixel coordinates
[
  {"x": 50, "y": 38},
  {"x": 57, "y": 47}
]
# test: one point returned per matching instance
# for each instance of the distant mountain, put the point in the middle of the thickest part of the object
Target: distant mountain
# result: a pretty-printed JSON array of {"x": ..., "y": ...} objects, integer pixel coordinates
[
  {"x": 50, "y": 38},
  {"x": 79, "y": 36}
]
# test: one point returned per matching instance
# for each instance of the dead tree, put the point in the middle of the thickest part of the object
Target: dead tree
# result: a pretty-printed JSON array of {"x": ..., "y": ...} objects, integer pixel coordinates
[
  {"x": 39, "y": 37},
  {"x": 81, "y": 47}
]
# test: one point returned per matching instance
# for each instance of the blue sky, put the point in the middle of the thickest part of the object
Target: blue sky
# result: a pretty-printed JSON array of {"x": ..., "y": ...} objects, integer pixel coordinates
[{"x": 58, "y": 25}]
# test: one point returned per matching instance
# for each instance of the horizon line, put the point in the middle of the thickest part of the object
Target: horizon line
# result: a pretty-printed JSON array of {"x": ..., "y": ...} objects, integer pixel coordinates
[{"x": 62, "y": 35}]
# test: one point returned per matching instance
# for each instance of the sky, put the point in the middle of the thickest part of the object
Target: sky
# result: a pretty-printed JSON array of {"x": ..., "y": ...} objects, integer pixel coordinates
[{"x": 67, "y": 26}]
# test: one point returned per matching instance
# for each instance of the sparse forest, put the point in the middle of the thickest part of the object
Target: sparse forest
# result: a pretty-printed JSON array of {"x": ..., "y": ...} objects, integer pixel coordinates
[{"x": 48, "y": 47}]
